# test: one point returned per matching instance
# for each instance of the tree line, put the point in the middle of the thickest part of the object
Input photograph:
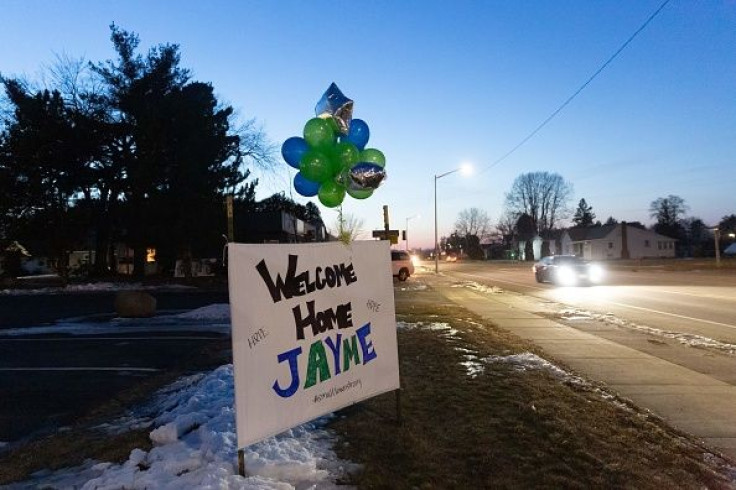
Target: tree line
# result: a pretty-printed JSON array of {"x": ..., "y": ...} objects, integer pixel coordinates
[
  {"x": 128, "y": 149},
  {"x": 538, "y": 203}
]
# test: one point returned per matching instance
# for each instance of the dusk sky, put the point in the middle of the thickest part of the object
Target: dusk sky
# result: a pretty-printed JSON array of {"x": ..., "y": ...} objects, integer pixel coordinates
[{"x": 443, "y": 83}]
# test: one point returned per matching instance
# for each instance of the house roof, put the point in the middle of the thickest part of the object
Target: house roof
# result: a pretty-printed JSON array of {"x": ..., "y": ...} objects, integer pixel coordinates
[
  {"x": 601, "y": 232},
  {"x": 590, "y": 233}
]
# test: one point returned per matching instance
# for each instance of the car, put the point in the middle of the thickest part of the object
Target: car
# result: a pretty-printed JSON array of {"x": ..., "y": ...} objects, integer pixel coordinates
[
  {"x": 401, "y": 265},
  {"x": 567, "y": 270}
]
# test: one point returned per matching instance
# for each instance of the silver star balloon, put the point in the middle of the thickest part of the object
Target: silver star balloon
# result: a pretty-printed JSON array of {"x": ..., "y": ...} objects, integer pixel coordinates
[{"x": 334, "y": 105}]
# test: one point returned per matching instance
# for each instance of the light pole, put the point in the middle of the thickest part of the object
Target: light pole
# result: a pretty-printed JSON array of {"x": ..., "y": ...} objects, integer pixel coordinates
[
  {"x": 465, "y": 169},
  {"x": 407, "y": 230}
]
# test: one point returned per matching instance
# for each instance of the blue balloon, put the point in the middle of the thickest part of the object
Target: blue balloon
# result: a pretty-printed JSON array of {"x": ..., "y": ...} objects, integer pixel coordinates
[
  {"x": 304, "y": 186},
  {"x": 358, "y": 133},
  {"x": 293, "y": 150}
]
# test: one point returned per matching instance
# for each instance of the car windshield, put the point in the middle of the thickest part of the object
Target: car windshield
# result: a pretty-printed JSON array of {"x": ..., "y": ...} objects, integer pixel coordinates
[{"x": 567, "y": 260}]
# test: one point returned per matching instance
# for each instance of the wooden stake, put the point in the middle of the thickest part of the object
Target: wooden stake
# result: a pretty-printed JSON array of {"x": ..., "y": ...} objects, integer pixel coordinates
[
  {"x": 398, "y": 407},
  {"x": 241, "y": 462}
]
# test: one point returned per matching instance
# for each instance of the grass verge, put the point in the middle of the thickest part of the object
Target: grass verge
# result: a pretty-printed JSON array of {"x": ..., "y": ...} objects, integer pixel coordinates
[{"x": 504, "y": 426}]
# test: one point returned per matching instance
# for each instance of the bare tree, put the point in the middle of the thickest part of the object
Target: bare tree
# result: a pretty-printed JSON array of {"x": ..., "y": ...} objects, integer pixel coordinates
[
  {"x": 543, "y": 196},
  {"x": 348, "y": 226},
  {"x": 667, "y": 210},
  {"x": 472, "y": 221}
]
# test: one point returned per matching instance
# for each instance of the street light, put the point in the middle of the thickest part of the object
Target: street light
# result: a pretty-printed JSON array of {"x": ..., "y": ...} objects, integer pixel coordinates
[
  {"x": 465, "y": 169},
  {"x": 407, "y": 230}
]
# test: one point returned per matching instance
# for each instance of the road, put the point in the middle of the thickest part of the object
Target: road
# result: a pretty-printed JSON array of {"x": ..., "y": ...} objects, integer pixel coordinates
[
  {"x": 50, "y": 380},
  {"x": 700, "y": 303}
]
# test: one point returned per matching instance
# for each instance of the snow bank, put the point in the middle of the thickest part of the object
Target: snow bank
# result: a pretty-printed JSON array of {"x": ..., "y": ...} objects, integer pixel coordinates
[
  {"x": 195, "y": 446},
  {"x": 692, "y": 340},
  {"x": 481, "y": 288},
  {"x": 94, "y": 287}
]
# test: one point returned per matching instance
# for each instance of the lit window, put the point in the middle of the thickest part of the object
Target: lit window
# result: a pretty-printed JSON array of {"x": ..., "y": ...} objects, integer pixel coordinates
[{"x": 150, "y": 255}]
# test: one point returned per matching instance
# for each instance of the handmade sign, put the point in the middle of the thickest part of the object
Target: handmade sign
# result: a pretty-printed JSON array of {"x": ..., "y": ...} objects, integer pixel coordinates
[
  {"x": 314, "y": 330},
  {"x": 332, "y": 157}
]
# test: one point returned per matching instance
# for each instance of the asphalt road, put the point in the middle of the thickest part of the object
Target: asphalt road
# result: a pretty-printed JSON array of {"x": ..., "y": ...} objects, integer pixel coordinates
[
  {"x": 50, "y": 380},
  {"x": 38, "y": 309},
  {"x": 690, "y": 302}
]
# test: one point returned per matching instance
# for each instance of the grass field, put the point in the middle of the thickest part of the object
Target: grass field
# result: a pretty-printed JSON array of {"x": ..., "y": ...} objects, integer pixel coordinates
[{"x": 507, "y": 425}]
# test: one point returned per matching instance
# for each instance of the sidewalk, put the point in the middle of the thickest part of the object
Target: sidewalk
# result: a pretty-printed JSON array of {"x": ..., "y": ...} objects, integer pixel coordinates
[{"x": 682, "y": 397}]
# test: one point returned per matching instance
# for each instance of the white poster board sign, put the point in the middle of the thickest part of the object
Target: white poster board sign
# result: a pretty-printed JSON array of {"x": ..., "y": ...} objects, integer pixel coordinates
[{"x": 314, "y": 330}]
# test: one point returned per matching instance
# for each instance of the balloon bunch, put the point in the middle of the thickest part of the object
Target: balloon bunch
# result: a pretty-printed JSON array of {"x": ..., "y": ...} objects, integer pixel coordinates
[{"x": 331, "y": 157}]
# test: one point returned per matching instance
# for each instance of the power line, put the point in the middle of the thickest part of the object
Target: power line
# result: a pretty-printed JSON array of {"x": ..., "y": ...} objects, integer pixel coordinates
[{"x": 582, "y": 87}]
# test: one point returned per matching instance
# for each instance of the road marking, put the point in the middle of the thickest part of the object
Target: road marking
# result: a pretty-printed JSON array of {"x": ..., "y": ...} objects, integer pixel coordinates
[
  {"x": 137, "y": 369},
  {"x": 67, "y": 339},
  {"x": 684, "y": 317},
  {"x": 709, "y": 296}
]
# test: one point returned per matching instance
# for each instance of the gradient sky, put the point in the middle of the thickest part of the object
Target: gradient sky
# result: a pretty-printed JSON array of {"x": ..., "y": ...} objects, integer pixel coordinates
[{"x": 446, "y": 82}]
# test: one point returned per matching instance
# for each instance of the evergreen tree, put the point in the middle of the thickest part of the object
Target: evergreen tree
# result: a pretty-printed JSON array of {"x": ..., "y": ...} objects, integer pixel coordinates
[{"x": 584, "y": 215}]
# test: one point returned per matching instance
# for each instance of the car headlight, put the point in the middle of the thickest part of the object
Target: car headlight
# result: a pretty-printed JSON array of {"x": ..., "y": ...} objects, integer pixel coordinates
[
  {"x": 566, "y": 276},
  {"x": 596, "y": 273}
]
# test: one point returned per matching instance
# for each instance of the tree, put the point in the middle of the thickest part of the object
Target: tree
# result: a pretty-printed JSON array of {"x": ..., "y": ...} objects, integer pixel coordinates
[
  {"x": 174, "y": 144},
  {"x": 697, "y": 239},
  {"x": 584, "y": 215},
  {"x": 348, "y": 226},
  {"x": 611, "y": 221},
  {"x": 667, "y": 211},
  {"x": 471, "y": 226},
  {"x": 543, "y": 196},
  {"x": 526, "y": 229},
  {"x": 43, "y": 161},
  {"x": 728, "y": 224},
  {"x": 472, "y": 221}
]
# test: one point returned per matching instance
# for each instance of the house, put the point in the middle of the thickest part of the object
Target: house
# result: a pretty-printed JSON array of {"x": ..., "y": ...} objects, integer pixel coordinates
[
  {"x": 619, "y": 241},
  {"x": 278, "y": 227}
]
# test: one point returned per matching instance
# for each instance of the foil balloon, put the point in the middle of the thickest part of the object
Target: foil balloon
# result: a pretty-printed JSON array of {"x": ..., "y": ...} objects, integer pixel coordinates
[
  {"x": 366, "y": 176},
  {"x": 336, "y": 107}
]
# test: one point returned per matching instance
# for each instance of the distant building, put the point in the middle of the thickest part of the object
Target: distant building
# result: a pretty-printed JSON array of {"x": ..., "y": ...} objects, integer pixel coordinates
[
  {"x": 618, "y": 241},
  {"x": 278, "y": 227}
]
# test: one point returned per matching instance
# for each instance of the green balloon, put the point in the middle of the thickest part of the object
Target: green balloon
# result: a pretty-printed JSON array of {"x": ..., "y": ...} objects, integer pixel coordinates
[
  {"x": 347, "y": 154},
  {"x": 315, "y": 166},
  {"x": 372, "y": 155},
  {"x": 360, "y": 193},
  {"x": 331, "y": 194},
  {"x": 319, "y": 133}
]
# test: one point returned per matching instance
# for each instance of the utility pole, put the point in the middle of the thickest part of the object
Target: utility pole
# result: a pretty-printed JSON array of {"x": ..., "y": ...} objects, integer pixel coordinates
[{"x": 717, "y": 239}]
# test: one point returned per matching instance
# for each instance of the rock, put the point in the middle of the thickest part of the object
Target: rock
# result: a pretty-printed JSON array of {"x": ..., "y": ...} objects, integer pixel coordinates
[{"x": 135, "y": 304}]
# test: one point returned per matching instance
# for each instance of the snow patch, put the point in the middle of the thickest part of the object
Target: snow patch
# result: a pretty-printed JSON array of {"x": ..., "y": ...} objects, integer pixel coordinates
[
  {"x": 195, "y": 446},
  {"x": 95, "y": 287},
  {"x": 692, "y": 340},
  {"x": 481, "y": 288}
]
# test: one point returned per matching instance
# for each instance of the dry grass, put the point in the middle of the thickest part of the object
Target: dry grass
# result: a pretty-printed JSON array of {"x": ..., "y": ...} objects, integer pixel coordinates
[{"x": 505, "y": 428}]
